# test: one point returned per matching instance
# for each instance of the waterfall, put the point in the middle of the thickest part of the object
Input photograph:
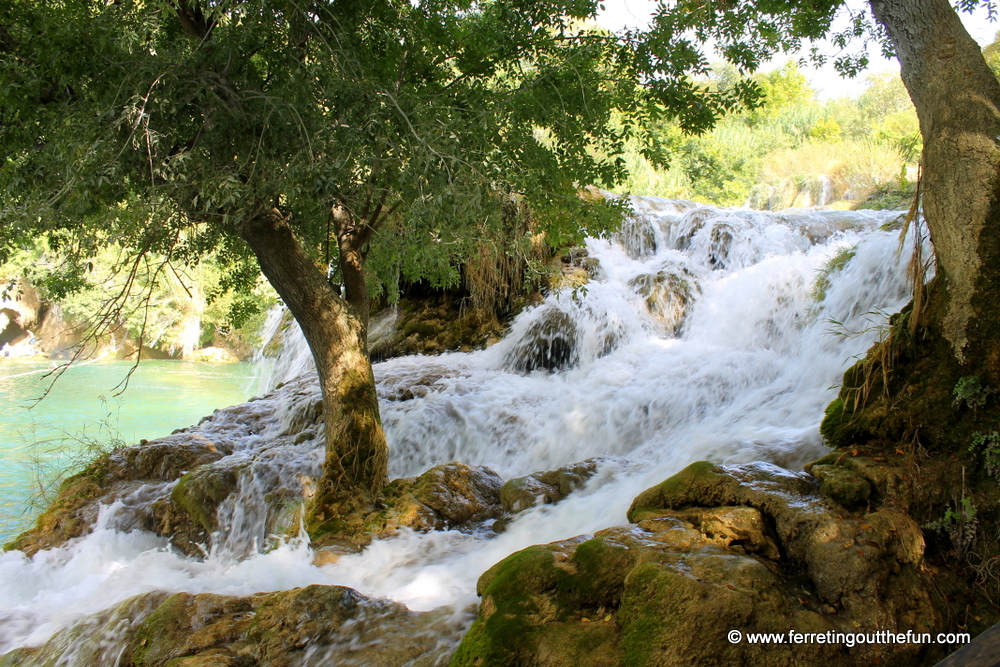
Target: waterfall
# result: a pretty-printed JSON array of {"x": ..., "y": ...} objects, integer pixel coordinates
[{"x": 702, "y": 335}]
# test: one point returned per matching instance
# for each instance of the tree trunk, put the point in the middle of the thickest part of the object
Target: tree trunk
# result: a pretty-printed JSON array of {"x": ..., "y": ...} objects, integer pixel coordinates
[
  {"x": 956, "y": 338},
  {"x": 957, "y": 99},
  {"x": 356, "y": 466}
]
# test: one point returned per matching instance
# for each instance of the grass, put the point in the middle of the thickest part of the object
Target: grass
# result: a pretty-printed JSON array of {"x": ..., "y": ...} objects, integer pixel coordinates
[{"x": 52, "y": 459}]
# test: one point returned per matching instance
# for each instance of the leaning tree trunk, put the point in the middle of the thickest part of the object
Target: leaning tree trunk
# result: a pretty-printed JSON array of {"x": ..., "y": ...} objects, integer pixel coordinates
[
  {"x": 356, "y": 466},
  {"x": 956, "y": 341}
]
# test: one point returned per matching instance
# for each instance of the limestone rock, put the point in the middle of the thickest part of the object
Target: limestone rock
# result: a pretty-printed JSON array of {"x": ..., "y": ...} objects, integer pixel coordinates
[
  {"x": 550, "y": 486},
  {"x": 549, "y": 344},
  {"x": 201, "y": 491},
  {"x": 752, "y": 547},
  {"x": 115, "y": 476},
  {"x": 312, "y": 626},
  {"x": 638, "y": 236},
  {"x": 452, "y": 496},
  {"x": 447, "y": 496},
  {"x": 842, "y": 485},
  {"x": 669, "y": 294}
]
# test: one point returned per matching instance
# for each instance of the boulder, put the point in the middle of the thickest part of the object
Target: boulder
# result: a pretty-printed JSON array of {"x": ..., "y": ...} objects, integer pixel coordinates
[
  {"x": 751, "y": 548},
  {"x": 201, "y": 491},
  {"x": 668, "y": 294},
  {"x": 638, "y": 236},
  {"x": 548, "y": 344},
  {"x": 551, "y": 486},
  {"x": 452, "y": 496},
  {"x": 315, "y": 625}
]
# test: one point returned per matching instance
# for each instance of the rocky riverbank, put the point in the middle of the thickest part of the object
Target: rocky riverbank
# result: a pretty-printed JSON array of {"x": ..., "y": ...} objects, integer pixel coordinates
[{"x": 751, "y": 547}]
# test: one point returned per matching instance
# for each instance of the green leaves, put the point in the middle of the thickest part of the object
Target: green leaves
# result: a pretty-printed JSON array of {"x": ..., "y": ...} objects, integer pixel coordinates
[{"x": 165, "y": 125}]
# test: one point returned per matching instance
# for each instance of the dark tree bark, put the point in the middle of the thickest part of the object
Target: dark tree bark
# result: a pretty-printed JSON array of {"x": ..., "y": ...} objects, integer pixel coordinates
[
  {"x": 356, "y": 466},
  {"x": 904, "y": 391}
]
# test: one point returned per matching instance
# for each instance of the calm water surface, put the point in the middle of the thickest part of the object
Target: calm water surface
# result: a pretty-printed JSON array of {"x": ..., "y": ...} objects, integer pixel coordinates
[{"x": 81, "y": 408}]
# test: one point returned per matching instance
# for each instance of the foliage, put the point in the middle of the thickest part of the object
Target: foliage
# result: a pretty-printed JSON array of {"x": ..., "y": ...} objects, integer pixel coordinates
[
  {"x": 161, "y": 126},
  {"x": 992, "y": 54},
  {"x": 970, "y": 391},
  {"x": 792, "y": 150},
  {"x": 989, "y": 445},
  {"x": 960, "y": 523},
  {"x": 160, "y": 302},
  {"x": 832, "y": 265}
]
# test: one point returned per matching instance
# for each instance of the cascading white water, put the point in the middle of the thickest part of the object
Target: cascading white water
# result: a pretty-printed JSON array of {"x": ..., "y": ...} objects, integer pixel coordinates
[{"x": 699, "y": 338}]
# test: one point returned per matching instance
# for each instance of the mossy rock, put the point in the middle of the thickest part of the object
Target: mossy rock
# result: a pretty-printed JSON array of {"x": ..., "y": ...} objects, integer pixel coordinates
[
  {"x": 109, "y": 477},
  {"x": 201, "y": 491},
  {"x": 550, "y": 344},
  {"x": 551, "y": 486},
  {"x": 533, "y": 613},
  {"x": 451, "y": 496},
  {"x": 843, "y": 486},
  {"x": 753, "y": 548},
  {"x": 21, "y": 657},
  {"x": 311, "y": 625},
  {"x": 700, "y": 483}
]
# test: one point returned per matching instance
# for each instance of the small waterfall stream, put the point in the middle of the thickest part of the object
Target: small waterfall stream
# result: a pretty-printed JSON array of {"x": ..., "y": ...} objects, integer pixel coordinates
[{"x": 701, "y": 336}]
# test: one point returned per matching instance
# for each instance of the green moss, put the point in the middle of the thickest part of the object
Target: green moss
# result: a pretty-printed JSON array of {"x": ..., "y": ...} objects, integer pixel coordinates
[
  {"x": 647, "y": 606},
  {"x": 840, "y": 428},
  {"x": 602, "y": 567},
  {"x": 834, "y": 264},
  {"x": 894, "y": 196},
  {"x": 158, "y": 633},
  {"x": 200, "y": 492},
  {"x": 419, "y": 328},
  {"x": 506, "y": 635},
  {"x": 19, "y": 657},
  {"x": 691, "y": 485}
]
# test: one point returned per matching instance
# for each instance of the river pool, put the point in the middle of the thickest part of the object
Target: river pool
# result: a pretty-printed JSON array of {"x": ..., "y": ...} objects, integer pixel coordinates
[{"x": 82, "y": 410}]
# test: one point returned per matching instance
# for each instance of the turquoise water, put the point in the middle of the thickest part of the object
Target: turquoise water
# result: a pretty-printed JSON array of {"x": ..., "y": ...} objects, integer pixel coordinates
[{"x": 81, "y": 410}]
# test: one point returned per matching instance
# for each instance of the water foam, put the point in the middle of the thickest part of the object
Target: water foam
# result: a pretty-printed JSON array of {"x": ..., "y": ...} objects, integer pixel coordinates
[{"x": 740, "y": 370}]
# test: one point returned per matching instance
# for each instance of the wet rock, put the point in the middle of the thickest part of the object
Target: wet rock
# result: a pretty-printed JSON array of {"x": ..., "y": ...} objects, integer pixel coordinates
[
  {"x": 449, "y": 496},
  {"x": 19, "y": 657},
  {"x": 638, "y": 236},
  {"x": 431, "y": 324},
  {"x": 550, "y": 486},
  {"x": 201, "y": 491},
  {"x": 720, "y": 246},
  {"x": 311, "y": 626},
  {"x": 842, "y": 485},
  {"x": 305, "y": 414},
  {"x": 691, "y": 223},
  {"x": 549, "y": 344},
  {"x": 452, "y": 496},
  {"x": 111, "y": 477},
  {"x": 752, "y": 548},
  {"x": 738, "y": 528},
  {"x": 170, "y": 520},
  {"x": 668, "y": 295},
  {"x": 165, "y": 459}
]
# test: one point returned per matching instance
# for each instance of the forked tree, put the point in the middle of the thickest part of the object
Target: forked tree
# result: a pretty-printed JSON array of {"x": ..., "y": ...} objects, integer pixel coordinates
[{"x": 337, "y": 146}]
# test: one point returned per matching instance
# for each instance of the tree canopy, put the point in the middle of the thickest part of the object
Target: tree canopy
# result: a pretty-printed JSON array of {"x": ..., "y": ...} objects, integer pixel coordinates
[{"x": 164, "y": 124}]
